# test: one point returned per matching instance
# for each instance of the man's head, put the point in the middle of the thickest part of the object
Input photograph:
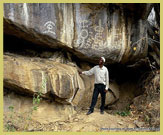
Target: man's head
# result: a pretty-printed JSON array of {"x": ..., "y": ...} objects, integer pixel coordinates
[{"x": 101, "y": 61}]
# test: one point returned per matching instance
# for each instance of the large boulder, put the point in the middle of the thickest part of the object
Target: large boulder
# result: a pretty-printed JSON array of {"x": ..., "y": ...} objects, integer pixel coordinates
[
  {"x": 87, "y": 30},
  {"x": 31, "y": 75},
  {"x": 38, "y": 75}
]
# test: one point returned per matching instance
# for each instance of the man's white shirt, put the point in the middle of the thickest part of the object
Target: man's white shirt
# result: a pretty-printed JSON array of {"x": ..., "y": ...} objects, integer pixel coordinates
[{"x": 101, "y": 75}]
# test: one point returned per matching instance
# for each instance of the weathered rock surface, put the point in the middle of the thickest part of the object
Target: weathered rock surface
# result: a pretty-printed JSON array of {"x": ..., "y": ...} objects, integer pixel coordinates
[
  {"x": 39, "y": 75},
  {"x": 31, "y": 75},
  {"x": 87, "y": 30},
  {"x": 65, "y": 38},
  {"x": 23, "y": 105},
  {"x": 154, "y": 35}
]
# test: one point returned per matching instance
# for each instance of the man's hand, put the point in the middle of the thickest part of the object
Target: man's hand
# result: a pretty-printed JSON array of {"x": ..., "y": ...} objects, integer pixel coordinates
[{"x": 106, "y": 90}]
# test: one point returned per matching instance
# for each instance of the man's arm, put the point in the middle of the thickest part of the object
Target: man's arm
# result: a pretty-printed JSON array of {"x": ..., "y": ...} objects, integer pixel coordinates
[
  {"x": 90, "y": 72},
  {"x": 107, "y": 79}
]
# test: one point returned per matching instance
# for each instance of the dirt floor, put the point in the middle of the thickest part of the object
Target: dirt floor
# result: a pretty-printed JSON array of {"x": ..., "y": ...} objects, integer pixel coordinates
[{"x": 77, "y": 122}]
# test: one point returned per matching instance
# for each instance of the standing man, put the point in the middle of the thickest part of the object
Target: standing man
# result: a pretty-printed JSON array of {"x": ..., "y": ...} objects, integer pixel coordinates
[{"x": 101, "y": 84}]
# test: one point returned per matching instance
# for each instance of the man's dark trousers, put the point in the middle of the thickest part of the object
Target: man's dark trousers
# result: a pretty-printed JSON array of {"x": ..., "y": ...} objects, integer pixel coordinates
[{"x": 98, "y": 88}]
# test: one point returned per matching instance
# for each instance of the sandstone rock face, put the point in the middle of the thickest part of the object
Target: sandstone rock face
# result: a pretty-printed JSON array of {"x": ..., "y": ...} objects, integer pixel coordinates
[
  {"x": 45, "y": 44},
  {"x": 34, "y": 75},
  {"x": 54, "y": 111},
  {"x": 89, "y": 30}
]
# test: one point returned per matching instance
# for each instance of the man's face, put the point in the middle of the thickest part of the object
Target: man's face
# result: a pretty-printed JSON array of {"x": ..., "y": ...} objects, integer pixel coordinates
[{"x": 101, "y": 61}]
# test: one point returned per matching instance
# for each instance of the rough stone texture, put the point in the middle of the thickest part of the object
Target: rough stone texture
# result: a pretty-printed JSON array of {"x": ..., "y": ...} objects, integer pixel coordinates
[
  {"x": 89, "y": 30},
  {"x": 35, "y": 74},
  {"x": 23, "y": 105},
  {"x": 30, "y": 75},
  {"x": 153, "y": 25},
  {"x": 116, "y": 31}
]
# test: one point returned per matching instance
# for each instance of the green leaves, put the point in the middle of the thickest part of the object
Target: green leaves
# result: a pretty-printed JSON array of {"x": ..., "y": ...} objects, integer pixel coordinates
[
  {"x": 123, "y": 113},
  {"x": 126, "y": 111},
  {"x": 36, "y": 101},
  {"x": 11, "y": 108},
  {"x": 26, "y": 116},
  {"x": 37, "y": 96},
  {"x": 35, "y": 108},
  {"x": 10, "y": 128}
]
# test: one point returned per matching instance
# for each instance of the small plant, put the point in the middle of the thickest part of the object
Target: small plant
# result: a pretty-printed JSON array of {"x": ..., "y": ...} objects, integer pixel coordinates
[
  {"x": 126, "y": 112},
  {"x": 9, "y": 128},
  {"x": 36, "y": 100},
  {"x": 147, "y": 119},
  {"x": 26, "y": 116},
  {"x": 11, "y": 108},
  {"x": 123, "y": 113},
  {"x": 37, "y": 96}
]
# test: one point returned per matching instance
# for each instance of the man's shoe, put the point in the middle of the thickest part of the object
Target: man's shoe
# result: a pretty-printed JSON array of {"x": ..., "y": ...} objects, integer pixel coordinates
[
  {"x": 102, "y": 112},
  {"x": 89, "y": 112}
]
